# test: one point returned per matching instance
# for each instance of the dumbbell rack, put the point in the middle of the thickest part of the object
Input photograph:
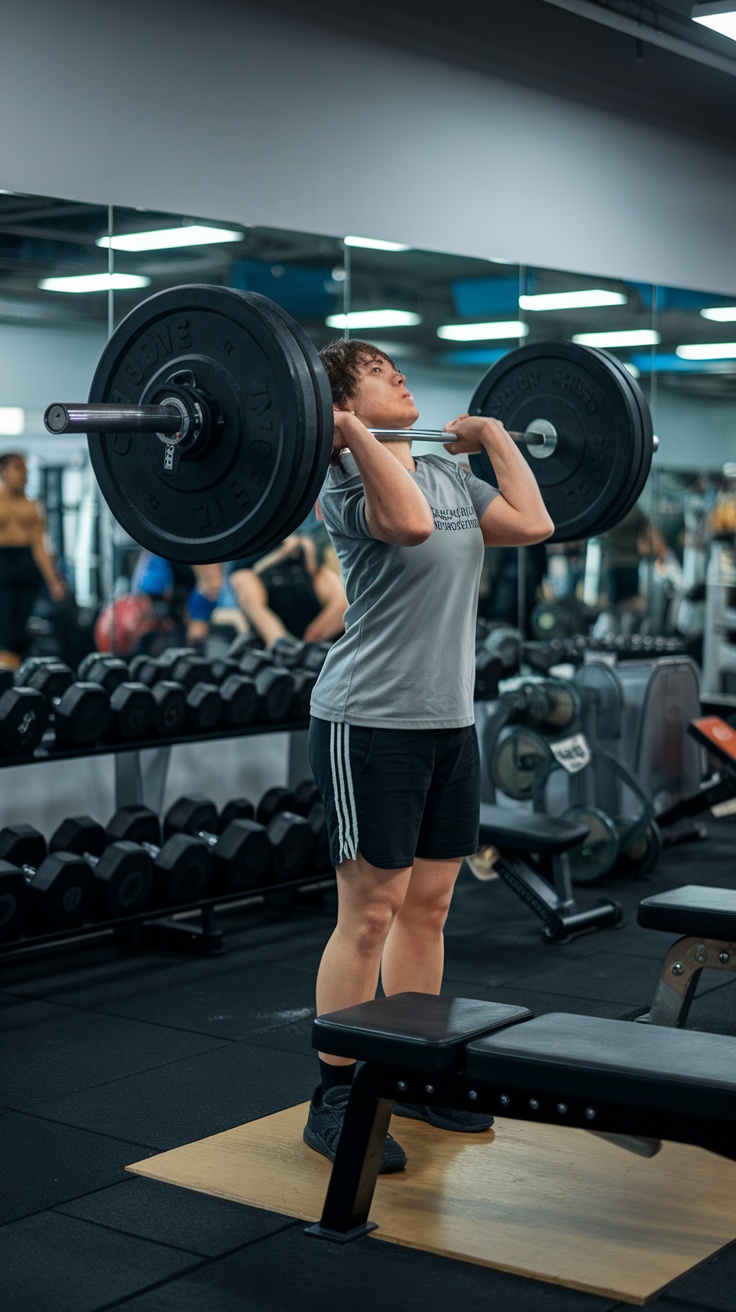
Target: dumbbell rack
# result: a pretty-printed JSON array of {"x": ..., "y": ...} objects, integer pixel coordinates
[
  {"x": 168, "y": 928},
  {"x": 171, "y": 928}
]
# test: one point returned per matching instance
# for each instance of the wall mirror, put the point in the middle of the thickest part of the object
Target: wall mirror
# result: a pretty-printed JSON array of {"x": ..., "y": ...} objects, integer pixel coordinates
[{"x": 69, "y": 272}]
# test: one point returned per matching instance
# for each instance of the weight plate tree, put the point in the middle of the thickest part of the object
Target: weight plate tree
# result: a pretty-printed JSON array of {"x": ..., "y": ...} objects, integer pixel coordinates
[{"x": 210, "y": 426}]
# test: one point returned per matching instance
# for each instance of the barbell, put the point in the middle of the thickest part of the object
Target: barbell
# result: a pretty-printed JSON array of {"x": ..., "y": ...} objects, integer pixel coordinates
[{"x": 239, "y": 400}]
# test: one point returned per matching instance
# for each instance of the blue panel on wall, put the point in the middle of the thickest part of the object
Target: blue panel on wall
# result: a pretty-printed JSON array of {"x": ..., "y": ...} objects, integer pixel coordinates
[
  {"x": 480, "y": 355},
  {"x": 304, "y": 292},
  {"x": 493, "y": 296},
  {"x": 669, "y": 363},
  {"x": 675, "y": 298}
]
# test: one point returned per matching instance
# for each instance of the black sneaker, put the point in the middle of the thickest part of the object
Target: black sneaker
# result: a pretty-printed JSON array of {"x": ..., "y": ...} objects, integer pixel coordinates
[
  {"x": 445, "y": 1118},
  {"x": 324, "y": 1125}
]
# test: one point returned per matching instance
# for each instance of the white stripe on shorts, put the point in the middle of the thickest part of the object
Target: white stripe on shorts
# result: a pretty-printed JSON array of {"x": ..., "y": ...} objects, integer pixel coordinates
[{"x": 342, "y": 787}]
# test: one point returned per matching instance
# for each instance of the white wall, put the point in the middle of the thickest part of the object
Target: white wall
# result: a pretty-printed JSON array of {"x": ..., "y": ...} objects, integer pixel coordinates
[{"x": 216, "y": 110}]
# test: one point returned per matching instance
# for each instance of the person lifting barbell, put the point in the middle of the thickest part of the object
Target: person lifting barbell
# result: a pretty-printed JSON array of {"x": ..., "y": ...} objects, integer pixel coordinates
[
  {"x": 392, "y": 740},
  {"x": 211, "y": 427}
]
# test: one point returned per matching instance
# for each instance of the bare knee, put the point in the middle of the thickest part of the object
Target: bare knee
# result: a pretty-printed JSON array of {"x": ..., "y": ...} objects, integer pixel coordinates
[
  {"x": 426, "y": 914},
  {"x": 370, "y": 926}
]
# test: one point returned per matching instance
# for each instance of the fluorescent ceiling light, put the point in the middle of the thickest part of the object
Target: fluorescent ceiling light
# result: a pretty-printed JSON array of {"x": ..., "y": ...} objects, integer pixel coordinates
[
  {"x": 707, "y": 351},
  {"x": 571, "y": 300},
  {"x": 372, "y": 244},
  {"x": 720, "y": 313},
  {"x": 719, "y": 17},
  {"x": 12, "y": 420},
  {"x": 193, "y": 234},
  {"x": 374, "y": 319},
  {"x": 94, "y": 282},
  {"x": 629, "y": 337},
  {"x": 481, "y": 332}
]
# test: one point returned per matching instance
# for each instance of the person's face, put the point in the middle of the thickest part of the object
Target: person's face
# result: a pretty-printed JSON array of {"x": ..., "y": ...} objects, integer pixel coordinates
[
  {"x": 15, "y": 475},
  {"x": 382, "y": 399}
]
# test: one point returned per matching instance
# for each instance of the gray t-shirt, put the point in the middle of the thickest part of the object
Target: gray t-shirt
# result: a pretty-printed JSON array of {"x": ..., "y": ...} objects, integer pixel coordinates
[{"x": 407, "y": 657}]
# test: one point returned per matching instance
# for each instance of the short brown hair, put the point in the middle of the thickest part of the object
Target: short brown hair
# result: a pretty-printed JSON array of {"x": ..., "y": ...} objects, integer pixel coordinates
[
  {"x": 342, "y": 359},
  {"x": 8, "y": 457}
]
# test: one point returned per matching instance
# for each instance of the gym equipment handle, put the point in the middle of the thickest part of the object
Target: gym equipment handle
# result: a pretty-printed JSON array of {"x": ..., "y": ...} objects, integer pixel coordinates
[{"x": 102, "y": 418}]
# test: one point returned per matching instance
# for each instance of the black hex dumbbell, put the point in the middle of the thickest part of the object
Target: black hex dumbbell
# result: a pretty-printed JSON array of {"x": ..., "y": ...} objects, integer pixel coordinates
[
  {"x": 133, "y": 709},
  {"x": 238, "y": 695},
  {"x": 24, "y": 715},
  {"x": 182, "y": 865},
  {"x": 274, "y": 800},
  {"x": 15, "y": 900},
  {"x": 293, "y": 654},
  {"x": 240, "y": 848},
  {"x": 108, "y": 671},
  {"x": 292, "y": 842},
  {"x": 61, "y": 884},
  {"x": 275, "y": 686},
  {"x": 81, "y": 710},
  {"x": 304, "y": 681},
  {"x": 306, "y": 793},
  {"x": 170, "y": 708},
  {"x": 123, "y": 871},
  {"x": 132, "y": 712}
]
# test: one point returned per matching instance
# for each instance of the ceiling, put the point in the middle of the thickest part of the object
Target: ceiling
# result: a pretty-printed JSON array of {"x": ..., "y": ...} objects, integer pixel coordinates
[
  {"x": 643, "y": 59},
  {"x": 542, "y": 42}
]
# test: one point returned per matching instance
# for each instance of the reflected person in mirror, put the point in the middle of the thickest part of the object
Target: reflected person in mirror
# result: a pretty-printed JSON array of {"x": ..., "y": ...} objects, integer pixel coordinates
[
  {"x": 25, "y": 560},
  {"x": 392, "y": 739}
]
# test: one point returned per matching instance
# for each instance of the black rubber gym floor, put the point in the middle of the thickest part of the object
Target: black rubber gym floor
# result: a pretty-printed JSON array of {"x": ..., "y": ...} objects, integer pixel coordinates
[{"x": 108, "y": 1057}]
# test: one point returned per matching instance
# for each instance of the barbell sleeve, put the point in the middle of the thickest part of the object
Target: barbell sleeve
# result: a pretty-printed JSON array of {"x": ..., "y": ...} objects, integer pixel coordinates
[{"x": 102, "y": 418}]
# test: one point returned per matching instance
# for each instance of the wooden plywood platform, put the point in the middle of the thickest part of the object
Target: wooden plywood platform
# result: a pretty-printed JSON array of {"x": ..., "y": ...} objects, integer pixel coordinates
[{"x": 543, "y": 1201}]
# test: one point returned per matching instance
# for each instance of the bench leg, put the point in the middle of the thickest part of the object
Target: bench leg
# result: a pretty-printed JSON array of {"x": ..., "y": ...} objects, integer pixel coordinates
[
  {"x": 561, "y": 916},
  {"x": 679, "y": 978},
  {"x": 355, "y": 1168}
]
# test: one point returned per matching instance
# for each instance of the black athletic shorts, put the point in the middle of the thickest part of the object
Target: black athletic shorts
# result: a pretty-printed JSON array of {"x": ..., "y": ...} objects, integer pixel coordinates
[
  {"x": 20, "y": 582},
  {"x": 394, "y": 794}
]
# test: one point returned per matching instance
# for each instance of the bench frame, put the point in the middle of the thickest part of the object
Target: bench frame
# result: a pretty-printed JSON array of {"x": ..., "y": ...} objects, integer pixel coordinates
[
  {"x": 345, "y": 1214},
  {"x": 680, "y": 974}
]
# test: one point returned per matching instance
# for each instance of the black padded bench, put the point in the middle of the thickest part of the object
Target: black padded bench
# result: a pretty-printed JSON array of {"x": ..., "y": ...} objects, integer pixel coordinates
[
  {"x": 636, "y": 1085},
  {"x": 533, "y": 861},
  {"x": 706, "y": 920}
]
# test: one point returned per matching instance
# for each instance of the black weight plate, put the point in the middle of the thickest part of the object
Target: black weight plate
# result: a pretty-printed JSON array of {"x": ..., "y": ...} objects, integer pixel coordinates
[
  {"x": 597, "y": 853},
  {"x": 621, "y": 506},
  {"x": 518, "y": 754},
  {"x": 575, "y": 388},
  {"x": 647, "y": 452},
  {"x": 641, "y": 466},
  {"x": 287, "y": 516},
  {"x": 325, "y": 426},
  {"x": 227, "y": 493}
]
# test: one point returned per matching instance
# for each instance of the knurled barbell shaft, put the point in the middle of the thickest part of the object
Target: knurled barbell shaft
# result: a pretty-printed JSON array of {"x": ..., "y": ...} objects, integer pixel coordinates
[
  {"x": 443, "y": 435},
  {"x": 101, "y": 418}
]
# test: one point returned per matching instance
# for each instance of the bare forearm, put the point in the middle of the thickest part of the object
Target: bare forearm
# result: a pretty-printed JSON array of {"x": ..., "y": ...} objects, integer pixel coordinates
[
  {"x": 516, "y": 482},
  {"x": 394, "y": 503},
  {"x": 264, "y": 621}
]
